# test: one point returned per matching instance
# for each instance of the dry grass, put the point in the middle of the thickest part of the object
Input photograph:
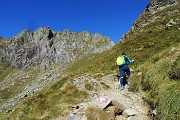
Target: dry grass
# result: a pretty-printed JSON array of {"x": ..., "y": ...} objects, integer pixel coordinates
[
  {"x": 51, "y": 102},
  {"x": 96, "y": 114}
]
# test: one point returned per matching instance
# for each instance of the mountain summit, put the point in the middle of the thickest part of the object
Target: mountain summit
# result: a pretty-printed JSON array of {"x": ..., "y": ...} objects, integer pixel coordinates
[{"x": 45, "y": 47}]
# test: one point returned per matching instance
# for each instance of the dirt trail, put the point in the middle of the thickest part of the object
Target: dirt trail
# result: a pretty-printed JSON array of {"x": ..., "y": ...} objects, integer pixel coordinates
[{"x": 132, "y": 103}]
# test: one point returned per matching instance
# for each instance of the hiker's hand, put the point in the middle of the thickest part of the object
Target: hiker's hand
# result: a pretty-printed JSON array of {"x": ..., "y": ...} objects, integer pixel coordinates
[{"x": 133, "y": 61}]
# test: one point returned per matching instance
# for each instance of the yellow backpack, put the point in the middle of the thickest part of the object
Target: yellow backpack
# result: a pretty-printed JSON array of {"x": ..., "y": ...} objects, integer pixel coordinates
[{"x": 120, "y": 60}]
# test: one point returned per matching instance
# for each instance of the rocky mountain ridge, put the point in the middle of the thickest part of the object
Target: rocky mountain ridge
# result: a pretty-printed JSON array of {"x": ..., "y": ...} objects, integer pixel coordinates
[
  {"x": 45, "y": 47},
  {"x": 150, "y": 16}
]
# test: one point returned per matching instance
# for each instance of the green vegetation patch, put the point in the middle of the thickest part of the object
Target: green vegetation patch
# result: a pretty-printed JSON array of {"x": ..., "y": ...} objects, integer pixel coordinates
[
  {"x": 169, "y": 102},
  {"x": 88, "y": 86},
  {"x": 49, "y": 103},
  {"x": 159, "y": 87},
  {"x": 14, "y": 82}
]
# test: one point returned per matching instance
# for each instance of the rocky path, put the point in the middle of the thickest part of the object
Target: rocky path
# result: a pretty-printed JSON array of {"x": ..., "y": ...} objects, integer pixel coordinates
[
  {"x": 124, "y": 105},
  {"x": 132, "y": 102}
]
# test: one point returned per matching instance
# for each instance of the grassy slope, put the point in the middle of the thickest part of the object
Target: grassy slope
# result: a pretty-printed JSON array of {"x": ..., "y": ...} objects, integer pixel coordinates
[
  {"x": 51, "y": 102},
  {"x": 55, "y": 100},
  {"x": 13, "y": 79}
]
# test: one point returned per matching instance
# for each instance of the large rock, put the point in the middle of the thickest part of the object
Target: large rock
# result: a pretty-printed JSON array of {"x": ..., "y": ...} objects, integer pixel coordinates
[{"x": 102, "y": 102}]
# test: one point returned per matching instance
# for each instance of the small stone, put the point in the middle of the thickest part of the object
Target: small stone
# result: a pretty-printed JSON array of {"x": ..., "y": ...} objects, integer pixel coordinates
[
  {"x": 154, "y": 111},
  {"x": 75, "y": 107},
  {"x": 129, "y": 112},
  {"x": 120, "y": 117},
  {"x": 173, "y": 49},
  {"x": 139, "y": 73}
]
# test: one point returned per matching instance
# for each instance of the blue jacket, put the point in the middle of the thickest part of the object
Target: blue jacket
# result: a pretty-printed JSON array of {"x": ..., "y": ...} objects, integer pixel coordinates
[{"x": 128, "y": 59}]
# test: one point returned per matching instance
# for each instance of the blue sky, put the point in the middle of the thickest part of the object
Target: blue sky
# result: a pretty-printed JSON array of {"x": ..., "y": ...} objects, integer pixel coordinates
[{"x": 111, "y": 18}]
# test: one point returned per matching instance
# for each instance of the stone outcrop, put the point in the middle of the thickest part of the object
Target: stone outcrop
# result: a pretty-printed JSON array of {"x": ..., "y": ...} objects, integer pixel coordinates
[
  {"x": 2, "y": 49},
  {"x": 45, "y": 47},
  {"x": 156, "y": 5}
]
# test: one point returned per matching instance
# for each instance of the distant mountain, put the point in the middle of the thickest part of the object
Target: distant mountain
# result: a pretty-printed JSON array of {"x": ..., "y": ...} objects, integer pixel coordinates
[{"x": 45, "y": 47}]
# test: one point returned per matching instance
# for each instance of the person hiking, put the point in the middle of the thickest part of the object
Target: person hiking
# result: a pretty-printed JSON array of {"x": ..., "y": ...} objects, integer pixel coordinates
[{"x": 122, "y": 62}]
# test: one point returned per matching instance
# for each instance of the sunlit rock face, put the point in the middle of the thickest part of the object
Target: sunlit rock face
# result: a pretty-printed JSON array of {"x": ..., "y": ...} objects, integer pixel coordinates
[{"x": 45, "y": 47}]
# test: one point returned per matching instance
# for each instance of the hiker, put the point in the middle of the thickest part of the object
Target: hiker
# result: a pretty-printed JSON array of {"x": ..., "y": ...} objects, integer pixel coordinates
[{"x": 122, "y": 62}]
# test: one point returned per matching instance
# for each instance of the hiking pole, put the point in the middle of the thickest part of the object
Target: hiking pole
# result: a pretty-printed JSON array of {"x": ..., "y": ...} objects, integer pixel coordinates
[{"x": 133, "y": 65}]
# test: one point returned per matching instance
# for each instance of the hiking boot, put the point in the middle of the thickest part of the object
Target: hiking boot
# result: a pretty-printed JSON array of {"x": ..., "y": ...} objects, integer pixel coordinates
[
  {"x": 122, "y": 88},
  {"x": 128, "y": 82}
]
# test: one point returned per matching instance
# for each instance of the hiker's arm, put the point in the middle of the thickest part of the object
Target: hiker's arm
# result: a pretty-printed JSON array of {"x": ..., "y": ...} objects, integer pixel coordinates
[{"x": 129, "y": 60}]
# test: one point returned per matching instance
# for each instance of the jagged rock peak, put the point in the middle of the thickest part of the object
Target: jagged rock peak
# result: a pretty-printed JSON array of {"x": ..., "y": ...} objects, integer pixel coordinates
[
  {"x": 164, "y": 2},
  {"x": 44, "y": 47},
  {"x": 156, "y": 5},
  {"x": 23, "y": 34}
]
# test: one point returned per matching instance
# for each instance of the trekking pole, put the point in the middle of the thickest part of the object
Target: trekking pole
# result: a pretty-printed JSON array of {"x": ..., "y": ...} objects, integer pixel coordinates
[{"x": 133, "y": 65}]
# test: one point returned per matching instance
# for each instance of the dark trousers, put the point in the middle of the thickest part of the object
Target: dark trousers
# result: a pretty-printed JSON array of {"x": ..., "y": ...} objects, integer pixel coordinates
[{"x": 123, "y": 70}]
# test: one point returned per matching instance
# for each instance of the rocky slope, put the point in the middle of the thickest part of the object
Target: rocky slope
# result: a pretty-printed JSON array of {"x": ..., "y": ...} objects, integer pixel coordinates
[{"x": 45, "y": 47}]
